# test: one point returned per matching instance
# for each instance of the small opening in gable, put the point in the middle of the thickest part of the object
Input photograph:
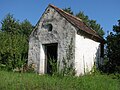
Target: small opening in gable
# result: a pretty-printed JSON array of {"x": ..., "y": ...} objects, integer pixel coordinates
[
  {"x": 48, "y": 10},
  {"x": 50, "y": 27}
]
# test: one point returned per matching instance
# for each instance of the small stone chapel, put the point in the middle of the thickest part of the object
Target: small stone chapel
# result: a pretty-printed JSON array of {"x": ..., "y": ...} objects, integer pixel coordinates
[{"x": 60, "y": 36}]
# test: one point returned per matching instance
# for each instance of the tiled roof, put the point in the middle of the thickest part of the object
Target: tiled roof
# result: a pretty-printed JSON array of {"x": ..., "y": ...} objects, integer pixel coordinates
[{"x": 78, "y": 23}]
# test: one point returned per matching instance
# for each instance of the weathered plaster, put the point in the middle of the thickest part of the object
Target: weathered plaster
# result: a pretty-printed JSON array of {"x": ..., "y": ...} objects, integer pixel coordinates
[{"x": 63, "y": 32}]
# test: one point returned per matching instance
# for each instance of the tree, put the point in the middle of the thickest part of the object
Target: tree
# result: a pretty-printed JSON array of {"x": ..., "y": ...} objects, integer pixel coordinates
[
  {"x": 10, "y": 24},
  {"x": 113, "y": 49},
  {"x": 68, "y": 10},
  {"x": 84, "y": 18},
  {"x": 26, "y": 27},
  {"x": 14, "y": 42},
  {"x": 91, "y": 23}
]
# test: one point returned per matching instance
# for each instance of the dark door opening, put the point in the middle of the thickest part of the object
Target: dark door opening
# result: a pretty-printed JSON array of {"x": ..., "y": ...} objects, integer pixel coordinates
[{"x": 51, "y": 57}]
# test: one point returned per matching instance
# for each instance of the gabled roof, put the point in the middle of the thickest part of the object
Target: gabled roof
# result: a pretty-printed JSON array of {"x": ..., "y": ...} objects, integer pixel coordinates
[{"x": 78, "y": 23}]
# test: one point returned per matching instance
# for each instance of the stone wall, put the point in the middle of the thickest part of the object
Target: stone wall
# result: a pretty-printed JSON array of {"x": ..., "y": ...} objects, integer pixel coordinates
[{"x": 62, "y": 33}]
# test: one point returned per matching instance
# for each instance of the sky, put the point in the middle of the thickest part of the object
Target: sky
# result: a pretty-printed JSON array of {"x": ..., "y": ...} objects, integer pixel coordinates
[{"x": 105, "y": 12}]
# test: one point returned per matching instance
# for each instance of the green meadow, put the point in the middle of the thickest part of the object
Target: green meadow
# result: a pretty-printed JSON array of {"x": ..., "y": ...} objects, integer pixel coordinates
[{"x": 32, "y": 81}]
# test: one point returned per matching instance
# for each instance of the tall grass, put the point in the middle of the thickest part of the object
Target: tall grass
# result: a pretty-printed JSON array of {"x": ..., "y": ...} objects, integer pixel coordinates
[{"x": 31, "y": 81}]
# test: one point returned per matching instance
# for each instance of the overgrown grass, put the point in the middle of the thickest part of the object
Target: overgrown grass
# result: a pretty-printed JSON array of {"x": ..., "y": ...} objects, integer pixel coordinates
[{"x": 31, "y": 81}]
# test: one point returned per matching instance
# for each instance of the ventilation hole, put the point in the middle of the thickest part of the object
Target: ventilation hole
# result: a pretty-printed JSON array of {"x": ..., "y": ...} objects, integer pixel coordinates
[{"x": 49, "y": 27}]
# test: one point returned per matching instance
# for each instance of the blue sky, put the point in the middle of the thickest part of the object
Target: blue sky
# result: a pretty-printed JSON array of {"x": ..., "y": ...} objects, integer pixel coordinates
[{"x": 106, "y": 12}]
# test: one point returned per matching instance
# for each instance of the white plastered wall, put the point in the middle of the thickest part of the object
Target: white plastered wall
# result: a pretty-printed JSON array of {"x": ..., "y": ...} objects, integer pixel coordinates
[
  {"x": 86, "y": 53},
  {"x": 42, "y": 59}
]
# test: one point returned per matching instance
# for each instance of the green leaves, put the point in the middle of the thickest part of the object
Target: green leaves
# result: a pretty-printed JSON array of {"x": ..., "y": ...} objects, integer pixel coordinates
[
  {"x": 14, "y": 42},
  {"x": 113, "y": 49},
  {"x": 89, "y": 22},
  {"x": 116, "y": 28},
  {"x": 93, "y": 24},
  {"x": 10, "y": 24},
  {"x": 26, "y": 27},
  {"x": 84, "y": 18},
  {"x": 68, "y": 10}
]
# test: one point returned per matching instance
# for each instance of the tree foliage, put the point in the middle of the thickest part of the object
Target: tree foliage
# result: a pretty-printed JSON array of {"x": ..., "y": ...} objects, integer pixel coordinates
[
  {"x": 10, "y": 24},
  {"x": 84, "y": 17},
  {"x": 14, "y": 42},
  {"x": 91, "y": 23},
  {"x": 26, "y": 27},
  {"x": 113, "y": 49},
  {"x": 68, "y": 10}
]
